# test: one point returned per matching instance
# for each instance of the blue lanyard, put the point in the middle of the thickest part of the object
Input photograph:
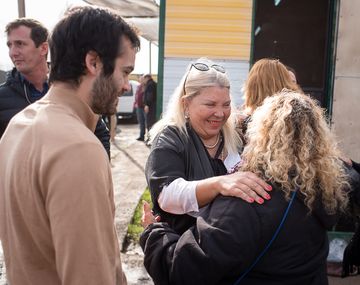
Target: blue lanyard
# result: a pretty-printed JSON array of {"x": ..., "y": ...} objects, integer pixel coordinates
[{"x": 270, "y": 242}]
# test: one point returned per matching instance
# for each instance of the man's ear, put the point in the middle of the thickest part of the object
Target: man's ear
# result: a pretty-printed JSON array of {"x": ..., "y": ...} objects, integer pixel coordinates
[
  {"x": 92, "y": 62},
  {"x": 44, "y": 47}
]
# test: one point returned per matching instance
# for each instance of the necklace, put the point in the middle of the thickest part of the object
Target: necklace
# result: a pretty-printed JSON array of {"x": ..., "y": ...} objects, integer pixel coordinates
[
  {"x": 214, "y": 145},
  {"x": 26, "y": 95}
]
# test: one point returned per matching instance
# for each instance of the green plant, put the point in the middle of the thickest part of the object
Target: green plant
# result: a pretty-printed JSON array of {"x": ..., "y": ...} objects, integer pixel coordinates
[{"x": 135, "y": 228}]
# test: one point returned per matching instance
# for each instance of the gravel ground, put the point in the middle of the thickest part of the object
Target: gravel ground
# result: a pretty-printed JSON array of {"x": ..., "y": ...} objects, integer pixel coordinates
[{"x": 128, "y": 160}]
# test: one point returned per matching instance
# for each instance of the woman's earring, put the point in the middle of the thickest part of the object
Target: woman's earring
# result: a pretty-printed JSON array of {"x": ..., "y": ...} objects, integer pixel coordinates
[{"x": 187, "y": 117}]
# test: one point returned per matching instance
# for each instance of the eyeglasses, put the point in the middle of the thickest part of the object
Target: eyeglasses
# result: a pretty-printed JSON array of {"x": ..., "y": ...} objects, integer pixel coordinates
[{"x": 203, "y": 67}]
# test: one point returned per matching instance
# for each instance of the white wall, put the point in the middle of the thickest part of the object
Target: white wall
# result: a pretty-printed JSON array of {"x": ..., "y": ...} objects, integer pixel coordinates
[
  {"x": 174, "y": 69},
  {"x": 346, "y": 103}
]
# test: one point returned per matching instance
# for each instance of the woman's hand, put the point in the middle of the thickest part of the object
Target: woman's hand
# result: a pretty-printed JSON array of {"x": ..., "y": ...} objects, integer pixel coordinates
[
  {"x": 147, "y": 217},
  {"x": 346, "y": 160},
  {"x": 245, "y": 185}
]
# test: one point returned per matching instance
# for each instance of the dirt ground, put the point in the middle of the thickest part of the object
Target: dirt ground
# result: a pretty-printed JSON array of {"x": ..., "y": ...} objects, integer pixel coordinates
[{"x": 128, "y": 163}]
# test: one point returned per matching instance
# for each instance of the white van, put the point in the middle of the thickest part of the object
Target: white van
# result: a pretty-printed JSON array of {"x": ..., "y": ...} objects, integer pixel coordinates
[{"x": 125, "y": 107}]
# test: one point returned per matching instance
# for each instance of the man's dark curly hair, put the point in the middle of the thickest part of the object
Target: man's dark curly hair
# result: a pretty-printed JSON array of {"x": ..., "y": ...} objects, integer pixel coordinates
[{"x": 85, "y": 29}]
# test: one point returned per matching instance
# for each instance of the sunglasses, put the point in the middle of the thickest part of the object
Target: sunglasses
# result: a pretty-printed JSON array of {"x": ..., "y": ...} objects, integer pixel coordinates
[{"x": 203, "y": 67}]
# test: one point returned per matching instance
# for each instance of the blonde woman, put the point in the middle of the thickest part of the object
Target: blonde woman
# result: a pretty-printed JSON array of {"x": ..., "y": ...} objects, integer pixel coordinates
[
  {"x": 291, "y": 147},
  {"x": 194, "y": 146}
]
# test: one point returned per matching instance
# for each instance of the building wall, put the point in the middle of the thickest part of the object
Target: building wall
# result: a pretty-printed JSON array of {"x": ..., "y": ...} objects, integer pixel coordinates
[
  {"x": 346, "y": 100},
  {"x": 175, "y": 68},
  {"x": 220, "y": 30}
]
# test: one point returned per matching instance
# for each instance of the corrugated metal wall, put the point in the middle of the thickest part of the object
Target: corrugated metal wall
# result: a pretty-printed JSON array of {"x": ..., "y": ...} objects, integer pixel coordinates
[
  {"x": 220, "y": 30},
  {"x": 213, "y": 28},
  {"x": 346, "y": 103}
]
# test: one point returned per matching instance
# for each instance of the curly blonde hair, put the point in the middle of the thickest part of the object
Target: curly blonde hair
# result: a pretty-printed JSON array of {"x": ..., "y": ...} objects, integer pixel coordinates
[
  {"x": 266, "y": 77},
  {"x": 290, "y": 144}
]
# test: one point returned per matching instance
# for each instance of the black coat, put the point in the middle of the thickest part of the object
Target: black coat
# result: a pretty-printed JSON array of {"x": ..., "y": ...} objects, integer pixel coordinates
[
  {"x": 12, "y": 98},
  {"x": 150, "y": 100},
  {"x": 15, "y": 96},
  {"x": 175, "y": 155},
  {"x": 229, "y": 236}
]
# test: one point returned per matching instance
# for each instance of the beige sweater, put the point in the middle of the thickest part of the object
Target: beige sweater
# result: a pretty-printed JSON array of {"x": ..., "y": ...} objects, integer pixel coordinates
[{"x": 56, "y": 198}]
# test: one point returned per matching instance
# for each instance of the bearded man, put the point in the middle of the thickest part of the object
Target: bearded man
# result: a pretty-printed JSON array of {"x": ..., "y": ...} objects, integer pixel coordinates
[{"x": 56, "y": 192}]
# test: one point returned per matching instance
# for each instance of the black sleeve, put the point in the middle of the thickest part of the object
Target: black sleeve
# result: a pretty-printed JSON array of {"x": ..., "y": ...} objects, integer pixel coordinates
[
  {"x": 209, "y": 252},
  {"x": 164, "y": 164},
  {"x": 354, "y": 179},
  {"x": 103, "y": 134},
  {"x": 356, "y": 166},
  {"x": 150, "y": 94},
  {"x": 175, "y": 155}
]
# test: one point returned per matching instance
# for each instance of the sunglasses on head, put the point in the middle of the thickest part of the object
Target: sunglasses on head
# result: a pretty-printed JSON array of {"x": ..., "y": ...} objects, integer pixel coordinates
[{"x": 204, "y": 67}]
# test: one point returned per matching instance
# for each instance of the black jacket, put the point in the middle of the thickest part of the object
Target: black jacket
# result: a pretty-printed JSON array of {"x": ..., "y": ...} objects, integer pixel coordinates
[
  {"x": 12, "y": 98},
  {"x": 15, "y": 96},
  {"x": 175, "y": 155},
  {"x": 229, "y": 236},
  {"x": 150, "y": 100},
  {"x": 356, "y": 166},
  {"x": 103, "y": 134}
]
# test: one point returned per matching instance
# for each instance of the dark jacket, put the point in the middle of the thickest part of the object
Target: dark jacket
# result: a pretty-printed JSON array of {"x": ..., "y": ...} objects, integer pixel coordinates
[
  {"x": 356, "y": 166},
  {"x": 103, "y": 134},
  {"x": 175, "y": 155},
  {"x": 229, "y": 236},
  {"x": 15, "y": 96},
  {"x": 12, "y": 98},
  {"x": 150, "y": 100}
]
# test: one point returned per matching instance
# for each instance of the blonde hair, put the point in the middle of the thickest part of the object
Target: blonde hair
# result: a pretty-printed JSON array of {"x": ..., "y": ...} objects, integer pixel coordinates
[
  {"x": 191, "y": 84},
  {"x": 266, "y": 77},
  {"x": 290, "y": 143}
]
